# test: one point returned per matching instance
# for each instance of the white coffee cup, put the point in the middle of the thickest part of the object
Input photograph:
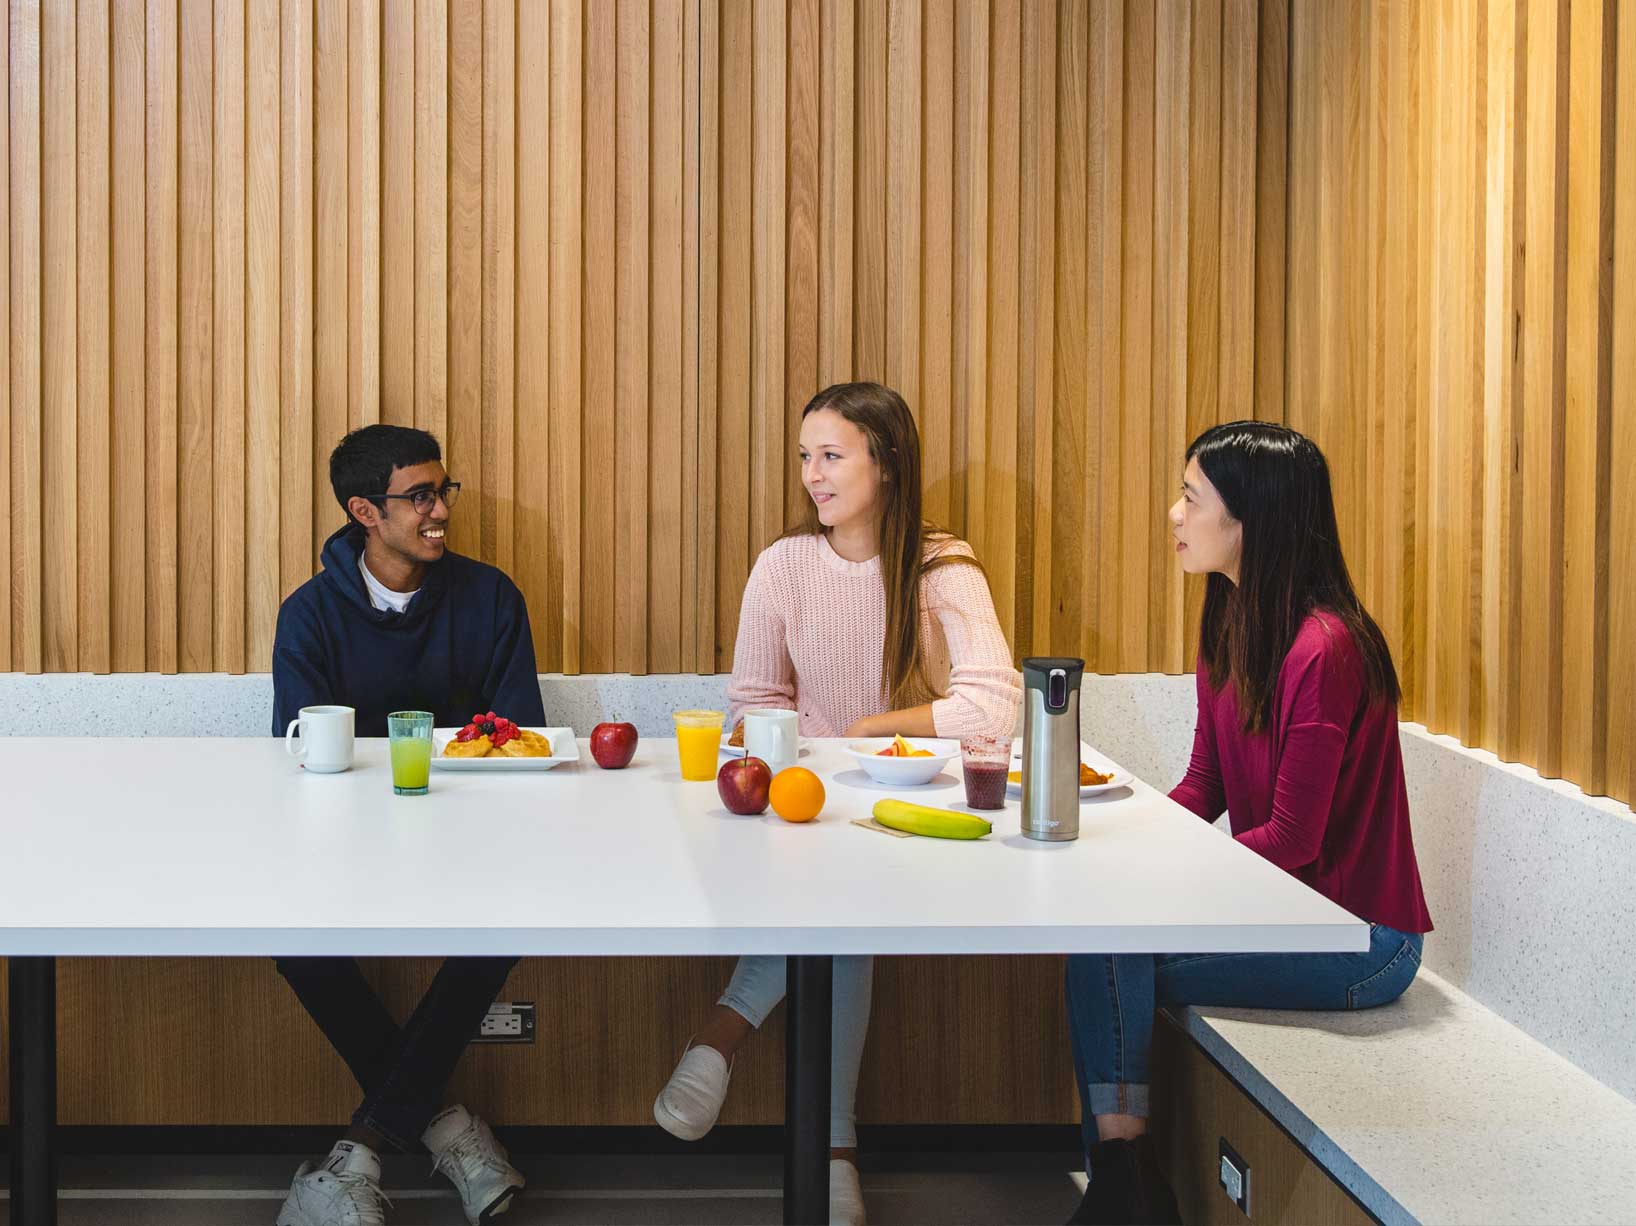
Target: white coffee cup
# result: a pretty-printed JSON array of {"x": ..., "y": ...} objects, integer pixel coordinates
[
  {"x": 326, "y": 739},
  {"x": 773, "y": 736}
]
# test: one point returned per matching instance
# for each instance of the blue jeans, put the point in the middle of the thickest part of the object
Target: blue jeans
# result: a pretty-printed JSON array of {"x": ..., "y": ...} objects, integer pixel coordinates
[
  {"x": 1111, "y": 999},
  {"x": 758, "y": 985},
  {"x": 403, "y": 1070}
]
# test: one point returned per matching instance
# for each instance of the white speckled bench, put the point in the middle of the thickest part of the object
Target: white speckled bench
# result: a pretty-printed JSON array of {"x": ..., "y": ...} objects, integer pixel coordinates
[
  {"x": 1502, "y": 1087},
  {"x": 1433, "y": 1109}
]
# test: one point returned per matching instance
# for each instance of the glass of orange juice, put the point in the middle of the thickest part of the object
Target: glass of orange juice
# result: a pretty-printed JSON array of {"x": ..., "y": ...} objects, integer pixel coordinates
[{"x": 698, "y": 741}]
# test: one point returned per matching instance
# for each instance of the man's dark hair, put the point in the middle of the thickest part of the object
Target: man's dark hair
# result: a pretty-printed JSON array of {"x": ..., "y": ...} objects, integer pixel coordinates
[{"x": 362, "y": 463}]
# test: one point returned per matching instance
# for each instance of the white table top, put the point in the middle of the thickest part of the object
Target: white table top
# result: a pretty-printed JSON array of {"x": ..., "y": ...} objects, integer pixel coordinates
[{"x": 226, "y": 847}]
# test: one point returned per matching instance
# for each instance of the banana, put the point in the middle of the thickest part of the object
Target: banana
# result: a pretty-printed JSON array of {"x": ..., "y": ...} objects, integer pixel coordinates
[{"x": 934, "y": 823}]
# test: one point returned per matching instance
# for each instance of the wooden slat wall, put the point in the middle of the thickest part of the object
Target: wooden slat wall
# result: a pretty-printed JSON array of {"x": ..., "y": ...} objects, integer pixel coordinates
[
  {"x": 1460, "y": 345},
  {"x": 1073, "y": 234},
  {"x": 1034, "y": 248},
  {"x": 242, "y": 227}
]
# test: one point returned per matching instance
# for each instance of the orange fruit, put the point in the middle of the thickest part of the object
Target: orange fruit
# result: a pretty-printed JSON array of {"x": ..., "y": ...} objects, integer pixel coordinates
[{"x": 796, "y": 795}]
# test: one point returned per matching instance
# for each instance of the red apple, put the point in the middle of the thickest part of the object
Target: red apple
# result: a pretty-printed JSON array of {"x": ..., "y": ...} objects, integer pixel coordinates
[
  {"x": 613, "y": 745},
  {"x": 743, "y": 784}
]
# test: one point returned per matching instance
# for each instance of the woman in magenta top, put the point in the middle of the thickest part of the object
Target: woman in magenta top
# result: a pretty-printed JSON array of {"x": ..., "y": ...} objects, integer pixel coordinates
[{"x": 1297, "y": 741}]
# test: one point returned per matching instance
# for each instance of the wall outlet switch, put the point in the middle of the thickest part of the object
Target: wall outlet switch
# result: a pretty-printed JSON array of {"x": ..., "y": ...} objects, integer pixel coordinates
[
  {"x": 507, "y": 1022},
  {"x": 1234, "y": 1176}
]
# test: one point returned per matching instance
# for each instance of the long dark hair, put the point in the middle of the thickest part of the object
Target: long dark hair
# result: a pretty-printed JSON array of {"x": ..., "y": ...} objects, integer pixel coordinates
[
  {"x": 894, "y": 445},
  {"x": 1275, "y": 483}
]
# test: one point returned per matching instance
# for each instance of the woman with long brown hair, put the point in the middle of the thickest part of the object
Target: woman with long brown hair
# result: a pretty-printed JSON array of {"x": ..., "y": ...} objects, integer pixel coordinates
[
  {"x": 1297, "y": 741},
  {"x": 867, "y": 622}
]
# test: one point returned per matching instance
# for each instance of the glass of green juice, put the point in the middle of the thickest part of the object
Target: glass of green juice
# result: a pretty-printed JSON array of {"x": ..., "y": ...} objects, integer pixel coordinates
[{"x": 410, "y": 733}]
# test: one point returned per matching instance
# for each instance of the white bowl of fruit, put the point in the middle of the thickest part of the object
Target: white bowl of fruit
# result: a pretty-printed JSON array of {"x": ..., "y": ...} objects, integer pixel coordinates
[{"x": 903, "y": 762}]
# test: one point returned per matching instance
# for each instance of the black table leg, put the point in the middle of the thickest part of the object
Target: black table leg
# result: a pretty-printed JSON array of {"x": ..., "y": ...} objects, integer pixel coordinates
[
  {"x": 806, "y": 1091},
  {"x": 33, "y": 1001}
]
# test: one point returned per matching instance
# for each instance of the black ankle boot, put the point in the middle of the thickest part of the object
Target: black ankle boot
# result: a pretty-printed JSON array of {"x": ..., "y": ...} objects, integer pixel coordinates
[{"x": 1126, "y": 1187}]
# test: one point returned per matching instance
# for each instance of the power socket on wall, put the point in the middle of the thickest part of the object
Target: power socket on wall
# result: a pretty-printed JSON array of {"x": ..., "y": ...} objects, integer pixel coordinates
[
  {"x": 1234, "y": 1177},
  {"x": 507, "y": 1022}
]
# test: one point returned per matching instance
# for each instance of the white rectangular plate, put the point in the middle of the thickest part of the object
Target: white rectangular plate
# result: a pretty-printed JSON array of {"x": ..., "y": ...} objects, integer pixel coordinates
[{"x": 564, "y": 748}]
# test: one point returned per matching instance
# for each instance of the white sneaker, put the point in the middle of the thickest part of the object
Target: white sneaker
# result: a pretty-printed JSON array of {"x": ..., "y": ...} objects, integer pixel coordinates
[
  {"x": 343, "y": 1190},
  {"x": 845, "y": 1194},
  {"x": 465, "y": 1150},
  {"x": 690, "y": 1102}
]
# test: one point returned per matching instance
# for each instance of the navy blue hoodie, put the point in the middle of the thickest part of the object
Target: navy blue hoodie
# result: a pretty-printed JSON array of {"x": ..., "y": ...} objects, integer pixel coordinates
[{"x": 463, "y": 645}]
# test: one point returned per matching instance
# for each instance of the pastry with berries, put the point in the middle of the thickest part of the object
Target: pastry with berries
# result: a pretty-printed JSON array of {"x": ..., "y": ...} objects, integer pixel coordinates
[{"x": 494, "y": 735}]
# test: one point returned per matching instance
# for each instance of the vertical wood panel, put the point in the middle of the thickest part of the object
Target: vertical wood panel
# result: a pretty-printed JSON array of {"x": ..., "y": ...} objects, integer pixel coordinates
[
  {"x": 935, "y": 344},
  {"x": 801, "y": 301},
  {"x": 296, "y": 321},
  {"x": 1137, "y": 356},
  {"x": 697, "y": 580},
  {"x": 598, "y": 601},
  {"x": 26, "y": 360},
  {"x": 1104, "y": 590},
  {"x": 93, "y": 219},
  {"x": 128, "y": 483},
  {"x": 1591, "y": 113},
  {"x": 667, "y": 517},
  {"x": 999, "y": 407},
  {"x": 363, "y": 213},
  {"x": 771, "y": 464},
  {"x": 1273, "y": 84},
  {"x": 502, "y": 256},
  {"x": 969, "y": 437},
  {"x": 465, "y": 447},
  {"x": 1167, "y": 423},
  {"x": 1069, "y": 601},
  {"x": 59, "y": 308},
  {"x": 1621, "y": 708},
  {"x": 228, "y": 460},
  {"x": 1036, "y": 357},
  {"x": 398, "y": 250},
  {"x": 6, "y": 548},
  {"x": 195, "y": 466},
  {"x": 904, "y": 142},
  {"x": 630, "y": 451},
  {"x": 835, "y": 153},
  {"x": 263, "y": 292},
  {"x": 871, "y": 28},
  {"x": 431, "y": 217},
  {"x": 565, "y": 123},
  {"x": 541, "y": 535},
  {"x": 1503, "y": 561},
  {"x": 329, "y": 269},
  {"x": 161, "y": 332},
  {"x": 1544, "y": 348}
]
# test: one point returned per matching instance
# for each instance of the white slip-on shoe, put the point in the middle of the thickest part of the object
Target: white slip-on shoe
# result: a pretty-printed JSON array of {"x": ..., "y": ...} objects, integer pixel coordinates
[
  {"x": 343, "y": 1190},
  {"x": 464, "y": 1150},
  {"x": 690, "y": 1102},
  {"x": 845, "y": 1194}
]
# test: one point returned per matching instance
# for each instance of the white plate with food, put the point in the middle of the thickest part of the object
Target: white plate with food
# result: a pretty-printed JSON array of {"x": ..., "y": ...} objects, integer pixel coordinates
[
  {"x": 915, "y": 760},
  {"x": 1103, "y": 778},
  {"x": 534, "y": 749}
]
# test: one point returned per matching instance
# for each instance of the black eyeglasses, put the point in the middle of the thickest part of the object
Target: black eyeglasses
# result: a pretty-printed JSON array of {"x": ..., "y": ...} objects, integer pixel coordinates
[{"x": 424, "y": 500}]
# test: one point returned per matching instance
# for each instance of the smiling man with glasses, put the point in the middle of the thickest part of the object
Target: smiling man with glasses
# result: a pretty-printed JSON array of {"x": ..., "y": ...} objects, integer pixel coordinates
[{"x": 395, "y": 621}]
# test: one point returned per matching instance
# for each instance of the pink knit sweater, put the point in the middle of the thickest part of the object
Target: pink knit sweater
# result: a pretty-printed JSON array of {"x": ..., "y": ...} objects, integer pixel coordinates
[{"x": 812, "y": 625}]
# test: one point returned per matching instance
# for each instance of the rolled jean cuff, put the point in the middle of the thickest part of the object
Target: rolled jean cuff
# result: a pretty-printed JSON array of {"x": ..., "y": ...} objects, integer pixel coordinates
[
  {"x": 1114, "y": 1099},
  {"x": 744, "y": 1008},
  {"x": 842, "y": 1136},
  {"x": 392, "y": 1131}
]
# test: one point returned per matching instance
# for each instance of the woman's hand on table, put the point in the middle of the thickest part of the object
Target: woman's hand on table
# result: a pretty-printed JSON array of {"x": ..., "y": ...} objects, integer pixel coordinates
[{"x": 911, "y": 721}]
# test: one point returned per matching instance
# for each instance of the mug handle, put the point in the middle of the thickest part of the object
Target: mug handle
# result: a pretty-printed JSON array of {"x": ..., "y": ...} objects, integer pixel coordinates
[{"x": 289, "y": 740}]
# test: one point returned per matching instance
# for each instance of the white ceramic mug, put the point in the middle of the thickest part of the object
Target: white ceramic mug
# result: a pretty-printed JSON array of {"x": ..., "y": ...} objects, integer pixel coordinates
[
  {"x": 326, "y": 739},
  {"x": 773, "y": 736}
]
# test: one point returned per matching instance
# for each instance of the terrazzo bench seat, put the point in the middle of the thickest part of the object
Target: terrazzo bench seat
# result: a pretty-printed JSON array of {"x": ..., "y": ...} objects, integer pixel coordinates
[{"x": 1430, "y": 1110}]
